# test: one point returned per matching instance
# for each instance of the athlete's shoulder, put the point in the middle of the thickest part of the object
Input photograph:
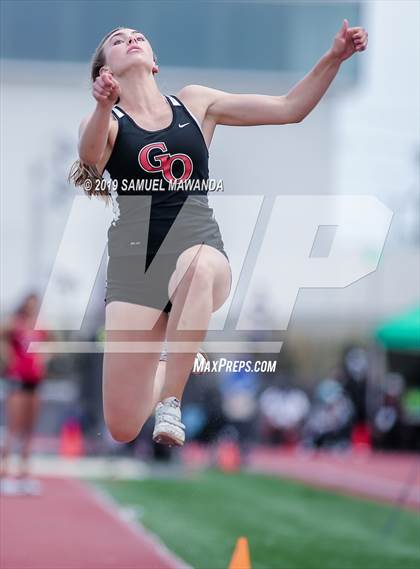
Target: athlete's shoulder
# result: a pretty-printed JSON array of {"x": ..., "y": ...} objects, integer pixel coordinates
[
  {"x": 199, "y": 99},
  {"x": 194, "y": 93}
]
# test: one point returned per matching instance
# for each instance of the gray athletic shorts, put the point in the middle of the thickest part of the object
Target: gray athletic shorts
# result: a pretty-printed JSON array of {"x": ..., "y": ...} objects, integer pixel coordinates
[
  {"x": 143, "y": 279},
  {"x": 135, "y": 272}
]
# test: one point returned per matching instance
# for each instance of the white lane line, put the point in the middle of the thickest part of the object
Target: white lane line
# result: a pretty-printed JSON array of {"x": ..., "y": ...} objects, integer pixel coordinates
[{"x": 106, "y": 502}]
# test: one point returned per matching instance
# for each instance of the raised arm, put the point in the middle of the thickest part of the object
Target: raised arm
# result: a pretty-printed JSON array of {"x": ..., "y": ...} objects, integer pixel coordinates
[
  {"x": 95, "y": 130},
  {"x": 219, "y": 107}
]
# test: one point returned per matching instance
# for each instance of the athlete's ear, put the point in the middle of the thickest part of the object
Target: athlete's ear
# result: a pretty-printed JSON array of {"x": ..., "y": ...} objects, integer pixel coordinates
[{"x": 155, "y": 68}]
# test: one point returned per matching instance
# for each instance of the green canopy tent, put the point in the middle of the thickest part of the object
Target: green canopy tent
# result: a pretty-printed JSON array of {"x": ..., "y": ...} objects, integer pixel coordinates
[
  {"x": 400, "y": 336},
  {"x": 401, "y": 333}
]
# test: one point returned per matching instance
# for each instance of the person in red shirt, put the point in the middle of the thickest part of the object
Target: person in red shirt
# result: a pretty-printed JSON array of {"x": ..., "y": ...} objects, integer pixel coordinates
[{"x": 24, "y": 372}]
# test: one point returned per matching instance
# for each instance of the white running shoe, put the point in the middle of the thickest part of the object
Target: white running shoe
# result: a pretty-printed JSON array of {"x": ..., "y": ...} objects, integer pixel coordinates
[{"x": 168, "y": 427}]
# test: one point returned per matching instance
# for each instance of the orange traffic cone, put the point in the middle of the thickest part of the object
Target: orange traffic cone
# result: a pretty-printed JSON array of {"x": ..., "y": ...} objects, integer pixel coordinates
[
  {"x": 71, "y": 440},
  {"x": 240, "y": 558}
]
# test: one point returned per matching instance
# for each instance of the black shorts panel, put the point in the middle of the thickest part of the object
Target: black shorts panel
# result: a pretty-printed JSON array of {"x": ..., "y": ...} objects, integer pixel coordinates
[{"x": 129, "y": 279}]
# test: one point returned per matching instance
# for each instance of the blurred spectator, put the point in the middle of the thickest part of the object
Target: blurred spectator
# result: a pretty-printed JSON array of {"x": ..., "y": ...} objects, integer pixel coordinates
[
  {"x": 354, "y": 374},
  {"x": 24, "y": 372},
  {"x": 330, "y": 420},
  {"x": 203, "y": 413},
  {"x": 387, "y": 421},
  {"x": 240, "y": 405},
  {"x": 282, "y": 414}
]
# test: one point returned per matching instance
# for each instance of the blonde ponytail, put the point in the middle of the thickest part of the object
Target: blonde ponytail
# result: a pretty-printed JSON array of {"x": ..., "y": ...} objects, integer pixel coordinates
[{"x": 89, "y": 179}]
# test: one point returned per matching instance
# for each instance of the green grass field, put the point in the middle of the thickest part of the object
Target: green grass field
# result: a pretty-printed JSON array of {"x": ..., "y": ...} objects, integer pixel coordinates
[{"x": 288, "y": 525}]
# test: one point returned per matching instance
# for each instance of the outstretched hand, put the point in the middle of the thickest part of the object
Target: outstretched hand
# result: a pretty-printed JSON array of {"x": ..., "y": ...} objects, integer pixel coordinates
[
  {"x": 348, "y": 41},
  {"x": 106, "y": 89}
]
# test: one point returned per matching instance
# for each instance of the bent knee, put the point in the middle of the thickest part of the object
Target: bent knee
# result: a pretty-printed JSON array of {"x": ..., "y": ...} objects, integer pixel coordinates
[{"x": 123, "y": 433}]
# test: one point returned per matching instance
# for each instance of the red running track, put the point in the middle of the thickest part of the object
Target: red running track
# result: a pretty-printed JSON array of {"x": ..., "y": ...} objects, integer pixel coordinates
[
  {"x": 390, "y": 478},
  {"x": 386, "y": 477},
  {"x": 69, "y": 527}
]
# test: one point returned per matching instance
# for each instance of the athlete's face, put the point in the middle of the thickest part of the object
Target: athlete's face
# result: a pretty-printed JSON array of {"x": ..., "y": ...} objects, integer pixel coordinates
[{"x": 127, "y": 48}]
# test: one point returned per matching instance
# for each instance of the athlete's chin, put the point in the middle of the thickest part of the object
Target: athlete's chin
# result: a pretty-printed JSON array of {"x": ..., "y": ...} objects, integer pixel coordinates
[{"x": 136, "y": 61}]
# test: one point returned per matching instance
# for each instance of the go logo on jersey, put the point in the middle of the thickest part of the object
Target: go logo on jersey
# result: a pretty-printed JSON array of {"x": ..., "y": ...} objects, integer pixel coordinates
[{"x": 164, "y": 162}]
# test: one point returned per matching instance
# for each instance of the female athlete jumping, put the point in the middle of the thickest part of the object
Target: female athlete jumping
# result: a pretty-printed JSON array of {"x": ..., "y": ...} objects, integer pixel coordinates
[{"x": 137, "y": 134}]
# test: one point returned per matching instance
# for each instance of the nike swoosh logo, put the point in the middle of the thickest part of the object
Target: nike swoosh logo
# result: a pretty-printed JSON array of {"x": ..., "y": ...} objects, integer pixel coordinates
[{"x": 182, "y": 125}]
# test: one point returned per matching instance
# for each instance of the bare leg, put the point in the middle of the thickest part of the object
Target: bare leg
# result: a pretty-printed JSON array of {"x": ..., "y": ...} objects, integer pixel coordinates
[
  {"x": 199, "y": 286},
  {"x": 14, "y": 404},
  {"x": 30, "y": 415},
  {"x": 129, "y": 389}
]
